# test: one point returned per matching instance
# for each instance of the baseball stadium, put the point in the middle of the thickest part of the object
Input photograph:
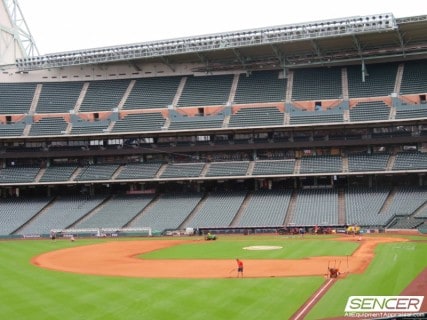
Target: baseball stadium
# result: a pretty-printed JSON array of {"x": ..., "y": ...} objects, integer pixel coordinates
[{"x": 134, "y": 177}]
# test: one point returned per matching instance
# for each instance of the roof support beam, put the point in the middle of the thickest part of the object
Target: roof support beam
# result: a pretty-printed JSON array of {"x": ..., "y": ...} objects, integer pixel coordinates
[
  {"x": 239, "y": 57},
  {"x": 316, "y": 48},
  {"x": 402, "y": 42},
  {"x": 166, "y": 61}
]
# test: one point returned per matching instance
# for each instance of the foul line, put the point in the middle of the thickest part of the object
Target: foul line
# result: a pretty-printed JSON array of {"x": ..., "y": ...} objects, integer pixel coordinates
[{"x": 302, "y": 312}]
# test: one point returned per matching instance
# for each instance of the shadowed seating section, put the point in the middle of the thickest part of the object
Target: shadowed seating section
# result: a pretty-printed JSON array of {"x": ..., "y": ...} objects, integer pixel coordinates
[
  {"x": 410, "y": 161},
  {"x": 97, "y": 172},
  {"x": 317, "y": 84},
  {"x": 414, "y": 79},
  {"x": 320, "y": 164},
  {"x": 255, "y": 117},
  {"x": 367, "y": 162},
  {"x": 148, "y": 93},
  {"x": 116, "y": 212},
  {"x": 16, "y": 98},
  {"x": 104, "y": 95},
  {"x": 168, "y": 212},
  {"x": 218, "y": 209},
  {"x": 219, "y": 169},
  {"x": 18, "y": 174},
  {"x": 15, "y": 212},
  {"x": 379, "y": 80},
  {"x": 370, "y": 111},
  {"x": 61, "y": 214},
  {"x": 179, "y": 170},
  {"x": 138, "y": 171},
  {"x": 153, "y": 121},
  {"x": 205, "y": 91},
  {"x": 54, "y": 126},
  {"x": 58, "y": 173},
  {"x": 272, "y": 167},
  {"x": 260, "y": 87},
  {"x": 265, "y": 208},
  {"x": 319, "y": 206},
  {"x": 58, "y": 97}
]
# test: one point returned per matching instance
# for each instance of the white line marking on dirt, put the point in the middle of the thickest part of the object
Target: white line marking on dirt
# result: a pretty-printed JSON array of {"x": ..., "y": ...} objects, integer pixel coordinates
[{"x": 313, "y": 299}]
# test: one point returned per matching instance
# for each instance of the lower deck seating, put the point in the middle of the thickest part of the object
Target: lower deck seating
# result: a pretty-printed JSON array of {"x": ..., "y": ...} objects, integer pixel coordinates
[{"x": 265, "y": 208}]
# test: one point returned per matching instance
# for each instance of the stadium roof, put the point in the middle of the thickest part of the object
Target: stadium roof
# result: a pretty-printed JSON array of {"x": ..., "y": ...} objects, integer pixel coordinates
[{"x": 349, "y": 40}]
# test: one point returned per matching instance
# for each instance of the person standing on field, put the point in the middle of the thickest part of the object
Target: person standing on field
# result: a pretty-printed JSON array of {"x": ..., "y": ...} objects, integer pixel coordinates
[{"x": 239, "y": 268}]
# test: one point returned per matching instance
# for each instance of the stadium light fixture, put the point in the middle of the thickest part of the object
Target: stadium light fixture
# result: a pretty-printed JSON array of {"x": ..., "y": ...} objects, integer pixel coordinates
[{"x": 212, "y": 42}]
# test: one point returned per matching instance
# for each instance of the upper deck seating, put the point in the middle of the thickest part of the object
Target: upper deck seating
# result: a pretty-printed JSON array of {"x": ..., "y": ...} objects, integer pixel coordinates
[
  {"x": 317, "y": 84},
  {"x": 18, "y": 174},
  {"x": 379, "y": 82},
  {"x": 367, "y": 162},
  {"x": 149, "y": 93},
  {"x": 16, "y": 98},
  {"x": 260, "y": 87},
  {"x": 58, "y": 173},
  {"x": 273, "y": 167},
  {"x": 104, "y": 95},
  {"x": 182, "y": 170},
  {"x": 58, "y": 97},
  {"x": 205, "y": 91},
  {"x": 414, "y": 79},
  {"x": 97, "y": 172},
  {"x": 237, "y": 168},
  {"x": 410, "y": 161},
  {"x": 320, "y": 164},
  {"x": 138, "y": 171}
]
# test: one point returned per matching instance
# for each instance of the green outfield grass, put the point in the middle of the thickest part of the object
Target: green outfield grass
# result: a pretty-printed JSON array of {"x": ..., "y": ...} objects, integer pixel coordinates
[
  {"x": 394, "y": 267},
  {"x": 29, "y": 292}
]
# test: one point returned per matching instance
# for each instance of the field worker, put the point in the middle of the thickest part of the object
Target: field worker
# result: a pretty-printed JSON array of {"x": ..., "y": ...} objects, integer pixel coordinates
[{"x": 239, "y": 268}]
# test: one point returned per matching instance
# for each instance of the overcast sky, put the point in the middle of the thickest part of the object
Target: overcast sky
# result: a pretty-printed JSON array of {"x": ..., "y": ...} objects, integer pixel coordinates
[{"x": 65, "y": 25}]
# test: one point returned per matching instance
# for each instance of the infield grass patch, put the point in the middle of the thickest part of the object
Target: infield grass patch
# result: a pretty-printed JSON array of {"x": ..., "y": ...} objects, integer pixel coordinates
[{"x": 292, "y": 248}]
